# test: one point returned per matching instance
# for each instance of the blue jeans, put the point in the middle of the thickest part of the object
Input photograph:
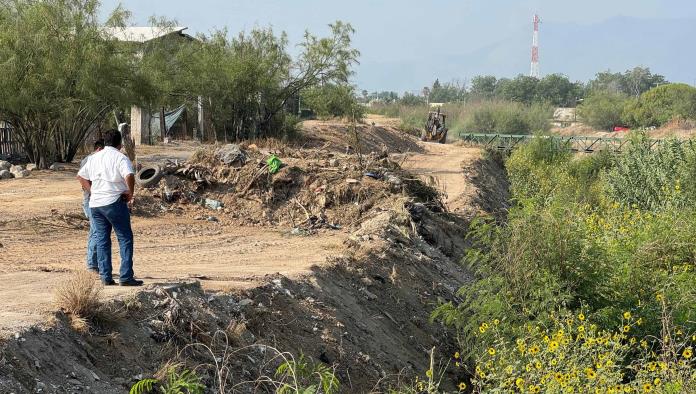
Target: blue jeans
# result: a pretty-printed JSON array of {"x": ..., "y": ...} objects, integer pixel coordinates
[
  {"x": 92, "y": 262},
  {"x": 116, "y": 216}
]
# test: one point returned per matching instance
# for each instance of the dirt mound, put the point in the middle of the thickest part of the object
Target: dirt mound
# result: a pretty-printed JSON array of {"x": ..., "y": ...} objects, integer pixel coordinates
[
  {"x": 366, "y": 314},
  {"x": 337, "y": 136},
  {"x": 313, "y": 188}
]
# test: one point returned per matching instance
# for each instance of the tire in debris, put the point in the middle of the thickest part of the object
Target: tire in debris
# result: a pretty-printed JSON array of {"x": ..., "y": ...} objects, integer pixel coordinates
[{"x": 148, "y": 176}]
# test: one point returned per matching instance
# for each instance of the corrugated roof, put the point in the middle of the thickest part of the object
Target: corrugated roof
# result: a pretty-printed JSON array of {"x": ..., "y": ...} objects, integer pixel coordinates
[{"x": 142, "y": 33}]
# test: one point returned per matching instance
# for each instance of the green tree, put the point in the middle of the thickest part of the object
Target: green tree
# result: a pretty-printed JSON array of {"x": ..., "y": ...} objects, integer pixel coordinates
[
  {"x": 662, "y": 104},
  {"x": 557, "y": 89},
  {"x": 521, "y": 89},
  {"x": 632, "y": 82},
  {"x": 445, "y": 93},
  {"x": 61, "y": 75},
  {"x": 483, "y": 86},
  {"x": 603, "y": 109},
  {"x": 333, "y": 100}
]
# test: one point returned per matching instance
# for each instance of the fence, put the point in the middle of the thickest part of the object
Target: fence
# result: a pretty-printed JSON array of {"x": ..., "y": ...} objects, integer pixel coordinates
[{"x": 8, "y": 145}]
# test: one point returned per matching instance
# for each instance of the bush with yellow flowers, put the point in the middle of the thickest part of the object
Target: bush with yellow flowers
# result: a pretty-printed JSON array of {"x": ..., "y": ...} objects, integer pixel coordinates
[{"x": 572, "y": 355}]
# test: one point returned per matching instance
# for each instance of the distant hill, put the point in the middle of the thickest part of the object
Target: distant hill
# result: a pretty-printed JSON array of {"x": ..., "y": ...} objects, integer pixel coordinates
[{"x": 579, "y": 51}]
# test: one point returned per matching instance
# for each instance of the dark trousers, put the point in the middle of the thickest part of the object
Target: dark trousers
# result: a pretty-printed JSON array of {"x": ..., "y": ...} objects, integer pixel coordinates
[{"x": 116, "y": 216}]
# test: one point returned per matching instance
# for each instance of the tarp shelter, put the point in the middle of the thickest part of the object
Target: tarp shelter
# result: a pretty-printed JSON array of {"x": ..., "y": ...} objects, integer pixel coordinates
[{"x": 170, "y": 118}]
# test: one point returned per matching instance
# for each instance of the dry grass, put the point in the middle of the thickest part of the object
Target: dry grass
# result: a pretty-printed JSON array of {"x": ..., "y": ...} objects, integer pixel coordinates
[{"x": 80, "y": 298}]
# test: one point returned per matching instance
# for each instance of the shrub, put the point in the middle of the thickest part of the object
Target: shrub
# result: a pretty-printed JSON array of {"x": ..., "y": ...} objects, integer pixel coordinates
[
  {"x": 652, "y": 178},
  {"x": 80, "y": 298},
  {"x": 603, "y": 109},
  {"x": 572, "y": 354},
  {"x": 662, "y": 104},
  {"x": 507, "y": 118},
  {"x": 333, "y": 100}
]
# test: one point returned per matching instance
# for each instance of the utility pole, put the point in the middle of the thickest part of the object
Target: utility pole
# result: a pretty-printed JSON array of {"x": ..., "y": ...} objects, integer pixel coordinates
[{"x": 535, "y": 48}]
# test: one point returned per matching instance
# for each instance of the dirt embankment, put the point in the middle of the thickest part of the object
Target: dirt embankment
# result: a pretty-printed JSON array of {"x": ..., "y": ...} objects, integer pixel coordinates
[{"x": 362, "y": 308}]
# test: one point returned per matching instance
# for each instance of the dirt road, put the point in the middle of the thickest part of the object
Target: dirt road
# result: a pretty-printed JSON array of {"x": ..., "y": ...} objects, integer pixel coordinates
[{"x": 37, "y": 252}]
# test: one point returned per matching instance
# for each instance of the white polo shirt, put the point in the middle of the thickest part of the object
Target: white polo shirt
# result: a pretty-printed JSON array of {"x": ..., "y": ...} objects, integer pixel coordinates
[{"x": 107, "y": 169}]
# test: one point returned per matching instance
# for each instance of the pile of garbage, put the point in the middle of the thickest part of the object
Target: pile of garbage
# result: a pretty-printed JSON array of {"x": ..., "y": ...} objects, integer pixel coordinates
[{"x": 305, "y": 189}]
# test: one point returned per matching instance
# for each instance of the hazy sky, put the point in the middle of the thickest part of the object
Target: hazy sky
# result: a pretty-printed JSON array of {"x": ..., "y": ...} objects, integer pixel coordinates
[{"x": 403, "y": 31}]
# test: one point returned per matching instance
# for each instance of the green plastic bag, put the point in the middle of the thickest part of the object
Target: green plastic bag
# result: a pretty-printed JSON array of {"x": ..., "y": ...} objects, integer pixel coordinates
[{"x": 274, "y": 164}]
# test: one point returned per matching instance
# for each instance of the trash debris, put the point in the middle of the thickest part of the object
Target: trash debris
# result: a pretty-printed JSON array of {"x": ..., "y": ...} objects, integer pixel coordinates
[
  {"x": 273, "y": 164},
  {"x": 213, "y": 204},
  {"x": 231, "y": 155},
  {"x": 372, "y": 175}
]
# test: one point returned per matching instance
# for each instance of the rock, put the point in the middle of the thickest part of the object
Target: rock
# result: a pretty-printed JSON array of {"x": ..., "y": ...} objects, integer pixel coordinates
[
  {"x": 31, "y": 167},
  {"x": 22, "y": 174},
  {"x": 5, "y": 165},
  {"x": 333, "y": 162},
  {"x": 370, "y": 295},
  {"x": 212, "y": 219},
  {"x": 232, "y": 155},
  {"x": 245, "y": 302},
  {"x": 5, "y": 174},
  {"x": 213, "y": 204},
  {"x": 56, "y": 167},
  {"x": 393, "y": 179},
  {"x": 16, "y": 168}
]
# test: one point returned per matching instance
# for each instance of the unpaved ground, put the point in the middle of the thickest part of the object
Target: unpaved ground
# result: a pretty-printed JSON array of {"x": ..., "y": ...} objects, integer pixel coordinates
[{"x": 37, "y": 252}]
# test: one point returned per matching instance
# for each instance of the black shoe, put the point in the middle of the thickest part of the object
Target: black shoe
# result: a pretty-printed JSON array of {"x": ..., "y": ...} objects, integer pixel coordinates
[
  {"x": 132, "y": 282},
  {"x": 109, "y": 282}
]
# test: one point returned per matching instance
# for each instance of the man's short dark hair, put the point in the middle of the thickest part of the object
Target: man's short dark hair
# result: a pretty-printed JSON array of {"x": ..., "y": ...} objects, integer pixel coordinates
[
  {"x": 98, "y": 143},
  {"x": 112, "y": 138}
]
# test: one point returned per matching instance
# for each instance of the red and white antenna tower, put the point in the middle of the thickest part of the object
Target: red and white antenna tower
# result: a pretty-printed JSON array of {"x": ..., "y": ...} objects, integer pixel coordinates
[{"x": 535, "y": 48}]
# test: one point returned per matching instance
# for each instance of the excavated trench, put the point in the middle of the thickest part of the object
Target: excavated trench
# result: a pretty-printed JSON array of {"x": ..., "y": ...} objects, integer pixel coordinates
[{"x": 366, "y": 314}]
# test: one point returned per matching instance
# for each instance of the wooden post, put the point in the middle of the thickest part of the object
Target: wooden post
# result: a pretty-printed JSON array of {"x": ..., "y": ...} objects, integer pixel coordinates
[{"x": 163, "y": 124}]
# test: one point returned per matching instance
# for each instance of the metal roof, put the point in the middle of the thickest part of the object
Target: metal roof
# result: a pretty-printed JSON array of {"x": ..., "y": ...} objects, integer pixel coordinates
[{"x": 143, "y": 33}]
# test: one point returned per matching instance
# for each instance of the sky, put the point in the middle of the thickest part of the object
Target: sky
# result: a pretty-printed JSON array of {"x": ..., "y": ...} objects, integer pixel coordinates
[{"x": 406, "y": 44}]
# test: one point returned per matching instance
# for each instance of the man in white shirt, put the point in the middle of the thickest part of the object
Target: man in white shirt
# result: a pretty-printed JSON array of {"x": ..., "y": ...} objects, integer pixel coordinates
[{"x": 109, "y": 178}]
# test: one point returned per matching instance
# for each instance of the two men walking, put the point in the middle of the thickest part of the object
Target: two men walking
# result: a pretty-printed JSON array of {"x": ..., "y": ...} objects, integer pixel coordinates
[{"x": 108, "y": 177}]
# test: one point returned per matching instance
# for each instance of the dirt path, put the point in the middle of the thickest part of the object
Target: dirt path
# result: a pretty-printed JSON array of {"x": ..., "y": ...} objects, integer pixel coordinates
[{"x": 37, "y": 253}]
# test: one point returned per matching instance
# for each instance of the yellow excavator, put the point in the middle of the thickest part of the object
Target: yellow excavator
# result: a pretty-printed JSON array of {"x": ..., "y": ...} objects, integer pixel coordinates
[{"x": 435, "y": 128}]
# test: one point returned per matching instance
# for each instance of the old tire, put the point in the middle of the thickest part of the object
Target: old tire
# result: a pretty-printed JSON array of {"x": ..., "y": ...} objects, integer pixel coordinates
[{"x": 148, "y": 176}]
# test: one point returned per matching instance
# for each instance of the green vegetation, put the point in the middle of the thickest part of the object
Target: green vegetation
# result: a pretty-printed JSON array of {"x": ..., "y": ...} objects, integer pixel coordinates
[
  {"x": 333, "y": 100},
  {"x": 603, "y": 109},
  {"x": 60, "y": 88},
  {"x": 303, "y": 376},
  {"x": 589, "y": 281},
  {"x": 475, "y": 117},
  {"x": 656, "y": 107},
  {"x": 660, "y": 105},
  {"x": 175, "y": 381}
]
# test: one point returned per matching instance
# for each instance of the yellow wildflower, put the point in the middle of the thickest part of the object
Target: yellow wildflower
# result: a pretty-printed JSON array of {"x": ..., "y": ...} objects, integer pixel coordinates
[
  {"x": 519, "y": 382},
  {"x": 456, "y": 355},
  {"x": 647, "y": 387},
  {"x": 553, "y": 346},
  {"x": 687, "y": 353},
  {"x": 462, "y": 386},
  {"x": 429, "y": 373},
  {"x": 627, "y": 315},
  {"x": 581, "y": 317},
  {"x": 591, "y": 374}
]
